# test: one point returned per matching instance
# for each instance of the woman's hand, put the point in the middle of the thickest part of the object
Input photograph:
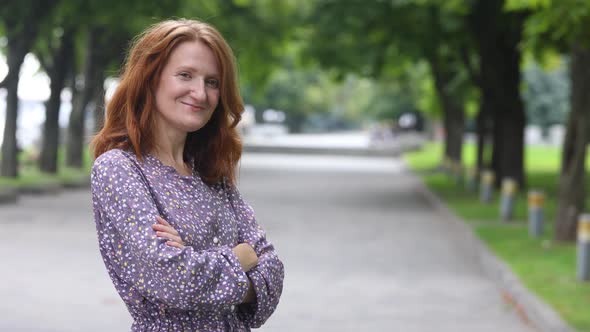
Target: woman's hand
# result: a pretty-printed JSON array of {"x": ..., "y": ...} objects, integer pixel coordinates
[
  {"x": 246, "y": 256},
  {"x": 164, "y": 230}
]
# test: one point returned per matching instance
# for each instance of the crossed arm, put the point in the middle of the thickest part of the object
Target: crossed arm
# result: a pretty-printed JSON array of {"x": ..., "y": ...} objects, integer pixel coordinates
[{"x": 245, "y": 253}]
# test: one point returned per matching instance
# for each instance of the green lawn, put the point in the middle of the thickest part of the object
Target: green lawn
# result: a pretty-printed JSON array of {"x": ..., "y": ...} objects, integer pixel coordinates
[
  {"x": 29, "y": 174},
  {"x": 545, "y": 267}
]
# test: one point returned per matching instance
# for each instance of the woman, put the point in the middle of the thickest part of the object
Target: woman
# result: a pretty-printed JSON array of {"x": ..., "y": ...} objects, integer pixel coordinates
[{"x": 181, "y": 246}]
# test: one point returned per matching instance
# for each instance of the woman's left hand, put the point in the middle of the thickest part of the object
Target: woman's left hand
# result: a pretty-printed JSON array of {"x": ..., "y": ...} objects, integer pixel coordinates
[{"x": 164, "y": 230}]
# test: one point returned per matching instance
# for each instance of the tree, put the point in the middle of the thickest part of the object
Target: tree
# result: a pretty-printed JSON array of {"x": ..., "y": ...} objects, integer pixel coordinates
[
  {"x": 497, "y": 34},
  {"x": 106, "y": 33},
  {"x": 259, "y": 32},
  {"x": 55, "y": 50},
  {"x": 292, "y": 91},
  {"x": 565, "y": 26},
  {"x": 22, "y": 20},
  {"x": 449, "y": 74},
  {"x": 379, "y": 39},
  {"x": 102, "y": 47}
]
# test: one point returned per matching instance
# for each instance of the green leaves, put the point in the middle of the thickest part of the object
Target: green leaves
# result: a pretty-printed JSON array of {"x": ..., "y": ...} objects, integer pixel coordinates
[{"x": 554, "y": 24}]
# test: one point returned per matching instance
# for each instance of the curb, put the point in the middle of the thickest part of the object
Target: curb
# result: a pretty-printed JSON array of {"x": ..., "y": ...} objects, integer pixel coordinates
[
  {"x": 83, "y": 182},
  {"x": 11, "y": 195},
  {"x": 532, "y": 310},
  {"x": 373, "y": 152},
  {"x": 402, "y": 143},
  {"x": 40, "y": 189},
  {"x": 8, "y": 195},
  {"x": 365, "y": 152}
]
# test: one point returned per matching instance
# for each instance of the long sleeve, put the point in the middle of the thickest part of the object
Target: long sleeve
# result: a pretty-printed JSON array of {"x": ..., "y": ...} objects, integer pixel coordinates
[
  {"x": 180, "y": 279},
  {"x": 267, "y": 276}
]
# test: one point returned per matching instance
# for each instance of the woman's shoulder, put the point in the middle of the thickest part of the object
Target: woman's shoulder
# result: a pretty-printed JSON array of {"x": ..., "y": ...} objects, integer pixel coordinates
[{"x": 114, "y": 158}]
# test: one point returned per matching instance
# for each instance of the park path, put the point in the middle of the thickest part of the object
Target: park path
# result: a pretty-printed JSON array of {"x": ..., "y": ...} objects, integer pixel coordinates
[{"x": 362, "y": 247}]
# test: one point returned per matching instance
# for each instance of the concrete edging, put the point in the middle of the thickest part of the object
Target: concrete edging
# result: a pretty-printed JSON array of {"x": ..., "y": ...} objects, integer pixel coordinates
[
  {"x": 372, "y": 152},
  {"x": 530, "y": 308},
  {"x": 400, "y": 144},
  {"x": 40, "y": 189},
  {"x": 10, "y": 195}
]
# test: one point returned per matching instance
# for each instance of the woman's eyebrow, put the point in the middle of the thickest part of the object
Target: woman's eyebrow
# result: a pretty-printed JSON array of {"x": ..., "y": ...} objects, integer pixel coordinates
[{"x": 193, "y": 69}]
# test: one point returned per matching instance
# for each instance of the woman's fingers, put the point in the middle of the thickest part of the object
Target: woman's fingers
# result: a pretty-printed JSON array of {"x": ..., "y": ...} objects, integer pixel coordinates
[
  {"x": 171, "y": 240},
  {"x": 170, "y": 237},
  {"x": 166, "y": 229},
  {"x": 175, "y": 244},
  {"x": 162, "y": 221}
]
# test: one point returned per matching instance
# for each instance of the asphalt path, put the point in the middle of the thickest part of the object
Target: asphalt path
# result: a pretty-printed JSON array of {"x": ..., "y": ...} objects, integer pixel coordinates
[{"x": 362, "y": 247}]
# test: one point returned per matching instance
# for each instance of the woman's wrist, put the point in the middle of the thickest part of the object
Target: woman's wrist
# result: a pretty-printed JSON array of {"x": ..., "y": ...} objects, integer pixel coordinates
[
  {"x": 250, "y": 294},
  {"x": 246, "y": 255}
]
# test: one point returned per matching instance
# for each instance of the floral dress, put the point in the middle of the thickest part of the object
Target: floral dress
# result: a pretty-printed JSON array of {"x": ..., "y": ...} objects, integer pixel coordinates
[{"x": 200, "y": 287}]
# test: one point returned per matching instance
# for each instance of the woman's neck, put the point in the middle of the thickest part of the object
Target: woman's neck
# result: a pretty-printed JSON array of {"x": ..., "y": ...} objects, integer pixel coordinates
[
  {"x": 169, "y": 145},
  {"x": 170, "y": 151}
]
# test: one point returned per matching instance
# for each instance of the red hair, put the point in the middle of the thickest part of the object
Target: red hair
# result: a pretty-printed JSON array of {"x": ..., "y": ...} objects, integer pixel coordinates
[{"x": 216, "y": 148}]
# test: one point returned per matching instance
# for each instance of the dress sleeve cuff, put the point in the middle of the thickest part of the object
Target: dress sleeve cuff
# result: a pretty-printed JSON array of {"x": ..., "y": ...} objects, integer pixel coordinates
[
  {"x": 255, "y": 314},
  {"x": 239, "y": 276}
]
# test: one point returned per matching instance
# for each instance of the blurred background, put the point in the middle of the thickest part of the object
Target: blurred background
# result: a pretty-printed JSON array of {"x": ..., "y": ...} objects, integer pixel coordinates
[{"x": 378, "y": 89}]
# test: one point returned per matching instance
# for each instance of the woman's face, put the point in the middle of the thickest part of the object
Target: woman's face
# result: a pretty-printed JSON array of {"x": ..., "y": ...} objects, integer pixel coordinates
[{"x": 188, "y": 91}]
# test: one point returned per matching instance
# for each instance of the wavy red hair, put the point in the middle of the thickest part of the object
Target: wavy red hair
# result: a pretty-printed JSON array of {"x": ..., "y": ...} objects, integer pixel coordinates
[{"x": 216, "y": 148}]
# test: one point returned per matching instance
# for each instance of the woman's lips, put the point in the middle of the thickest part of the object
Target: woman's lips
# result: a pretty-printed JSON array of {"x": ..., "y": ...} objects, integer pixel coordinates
[{"x": 193, "y": 107}]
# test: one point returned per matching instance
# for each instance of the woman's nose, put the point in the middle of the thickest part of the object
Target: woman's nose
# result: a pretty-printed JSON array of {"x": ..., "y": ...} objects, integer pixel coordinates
[{"x": 198, "y": 90}]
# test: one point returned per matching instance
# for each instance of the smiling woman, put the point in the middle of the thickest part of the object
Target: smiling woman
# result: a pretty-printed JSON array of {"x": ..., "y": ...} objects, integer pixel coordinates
[
  {"x": 188, "y": 91},
  {"x": 180, "y": 244}
]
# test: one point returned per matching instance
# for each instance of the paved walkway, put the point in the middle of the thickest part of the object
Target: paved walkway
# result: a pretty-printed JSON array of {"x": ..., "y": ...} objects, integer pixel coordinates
[{"x": 363, "y": 251}]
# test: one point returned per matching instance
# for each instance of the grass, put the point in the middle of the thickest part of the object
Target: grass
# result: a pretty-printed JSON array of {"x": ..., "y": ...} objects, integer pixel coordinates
[
  {"x": 544, "y": 266},
  {"x": 29, "y": 174}
]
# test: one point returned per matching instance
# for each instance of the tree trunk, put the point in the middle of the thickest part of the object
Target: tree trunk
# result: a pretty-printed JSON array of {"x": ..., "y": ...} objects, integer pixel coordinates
[
  {"x": 484, "y": 126},
  {"x": 453, "y": 113},
  {"x": 509, "y": 117},
  {"x": 20, "y": 38},
  {"x": 18, "y": 46},
  {"x": 60, "y": 63},
  {"x": 9, "y": 165},
  {"x": 509, "y": 137},
  {"x": 572, "y": 193},
  {"x": 498, "y": 35},
  {"x": 454, "y": 123},
  {"x": 76, "y": 140}
]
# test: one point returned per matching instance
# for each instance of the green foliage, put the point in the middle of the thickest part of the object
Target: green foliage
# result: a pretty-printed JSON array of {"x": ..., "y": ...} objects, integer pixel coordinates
[
  {"x": 397, "y": 43},
  {"x": 298, "y": 93},
  {"x": 394, "y": 97},
  {"x": 526, "y": 4},
  {"x": 286, "y": 91},
  {"x": 554, "y": 24},
  {"x": 257, "y": 30}
]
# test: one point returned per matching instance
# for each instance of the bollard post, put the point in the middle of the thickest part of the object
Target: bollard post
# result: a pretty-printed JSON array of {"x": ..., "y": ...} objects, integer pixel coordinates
[
  {"x": 584, "y": 247},
  {"x": 487, "y": 185},
  {"x": 536, "y": 199},
  {"x": 507, "y": 200},
  {"x": 472, "y": 179}
]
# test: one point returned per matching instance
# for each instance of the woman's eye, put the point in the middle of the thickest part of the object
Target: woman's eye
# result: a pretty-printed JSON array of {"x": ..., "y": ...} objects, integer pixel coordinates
[
  {"x": 213, "y": 83},
  {"x": 185, "y": 75}
]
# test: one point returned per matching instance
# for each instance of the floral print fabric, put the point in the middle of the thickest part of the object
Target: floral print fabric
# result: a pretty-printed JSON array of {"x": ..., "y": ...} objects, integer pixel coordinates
[{"x": 200, "y": 287}]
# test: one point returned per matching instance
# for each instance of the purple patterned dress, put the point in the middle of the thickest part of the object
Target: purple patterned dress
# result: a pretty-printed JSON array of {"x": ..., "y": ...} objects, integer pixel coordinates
[{"x": 200, "y": 287}]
